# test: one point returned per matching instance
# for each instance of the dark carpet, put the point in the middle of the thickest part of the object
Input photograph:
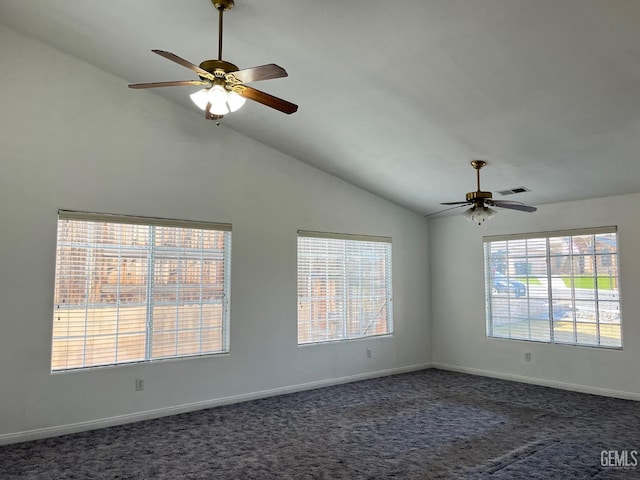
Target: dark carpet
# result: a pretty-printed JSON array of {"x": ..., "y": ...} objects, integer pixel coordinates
[{"x": 429, "y": 424}]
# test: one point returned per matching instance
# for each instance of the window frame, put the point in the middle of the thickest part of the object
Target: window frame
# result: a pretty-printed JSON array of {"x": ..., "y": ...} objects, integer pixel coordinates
[
  {"x": 221, "y": 257},
  {"x": 552, "y": 272},
  {"x": 346, "y": 294}
]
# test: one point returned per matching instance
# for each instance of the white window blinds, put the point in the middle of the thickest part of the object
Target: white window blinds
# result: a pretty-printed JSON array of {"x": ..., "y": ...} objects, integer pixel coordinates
[
  {"x": 557, "y": 287},
  {"x": 130, "y": 289},
  {"x": 344, "y": 287}
]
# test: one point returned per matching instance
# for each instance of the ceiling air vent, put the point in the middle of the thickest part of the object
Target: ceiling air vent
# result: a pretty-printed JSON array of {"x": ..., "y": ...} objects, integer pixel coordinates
[{"x": 512, "y": 191}]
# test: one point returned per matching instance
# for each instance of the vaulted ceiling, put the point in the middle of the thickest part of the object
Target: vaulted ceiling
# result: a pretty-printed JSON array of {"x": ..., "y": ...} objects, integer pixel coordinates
[{"x": 398, "y": 97}]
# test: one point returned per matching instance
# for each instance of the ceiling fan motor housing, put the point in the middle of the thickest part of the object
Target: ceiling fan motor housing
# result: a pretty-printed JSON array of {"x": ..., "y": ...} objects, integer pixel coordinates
[
  {"x": 223, "y": 5},
  {"x": 218, "y": 68},
  {"x": 478, "y": 195}
]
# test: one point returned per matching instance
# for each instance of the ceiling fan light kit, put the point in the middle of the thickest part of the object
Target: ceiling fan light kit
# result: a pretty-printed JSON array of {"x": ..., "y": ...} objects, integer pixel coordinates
[
  {"x": 221, "y": 101},
  {"x": 224, "y": 84},
  {"x": 479, "y": 214},
  {"x": 481, "y": 201}
]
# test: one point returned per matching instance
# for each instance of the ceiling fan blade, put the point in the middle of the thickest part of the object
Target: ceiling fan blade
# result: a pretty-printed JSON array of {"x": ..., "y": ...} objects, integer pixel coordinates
[
  {"x": 266, "y": 99},
  {"x": 177, "y": 83},
  {"x": 456, "y": 203},
  {"x": 522, "y": 208},
  {"x": 264, "y": 72},
  {"x": 181, "y": 61},
  {"x": 512, "y": 205},
  {"x": 446, "y": 209}
]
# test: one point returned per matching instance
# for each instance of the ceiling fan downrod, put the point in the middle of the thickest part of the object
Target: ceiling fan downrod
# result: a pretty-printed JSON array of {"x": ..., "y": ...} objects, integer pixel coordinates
[
  {"x": 478, "y": 164},
  {"x": 219, "y": 68},
  {"x": 222, "y": 6},
  {"x": 478, "y": 197}
]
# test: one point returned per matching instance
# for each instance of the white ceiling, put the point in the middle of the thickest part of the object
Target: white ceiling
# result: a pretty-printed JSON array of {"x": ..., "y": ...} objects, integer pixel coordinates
[{"x": 397, "y": 97}]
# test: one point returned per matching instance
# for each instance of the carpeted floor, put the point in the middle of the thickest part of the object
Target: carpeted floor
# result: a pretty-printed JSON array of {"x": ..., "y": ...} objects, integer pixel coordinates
[{"x": 430, "y": 424}]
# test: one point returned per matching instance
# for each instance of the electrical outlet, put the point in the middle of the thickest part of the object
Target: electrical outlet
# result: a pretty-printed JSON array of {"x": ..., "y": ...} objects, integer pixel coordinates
[
  {"x": 139, "y": 384},
  {"x": 368, "y": 353},
  {"x": 527, "y": 356}
]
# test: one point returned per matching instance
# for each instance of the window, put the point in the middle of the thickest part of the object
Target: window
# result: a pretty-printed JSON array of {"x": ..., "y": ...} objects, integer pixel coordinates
[
  {"x": 557, "y": 287},
  {"x": 344, "y": 287},
  {"x": 130, "y": 289}
]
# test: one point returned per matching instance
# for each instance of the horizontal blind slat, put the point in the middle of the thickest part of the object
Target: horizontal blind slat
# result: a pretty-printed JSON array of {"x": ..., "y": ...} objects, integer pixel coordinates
[
  {"x": 343, "y": 236},
  {"x": 552, "y": 233},
  {"x": 135, "y": 220}
]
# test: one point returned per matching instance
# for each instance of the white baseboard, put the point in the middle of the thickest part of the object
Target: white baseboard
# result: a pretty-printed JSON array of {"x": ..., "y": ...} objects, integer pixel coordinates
[
  {"x": 55, "y": 431},
  {"x": 541, "y": 381}
]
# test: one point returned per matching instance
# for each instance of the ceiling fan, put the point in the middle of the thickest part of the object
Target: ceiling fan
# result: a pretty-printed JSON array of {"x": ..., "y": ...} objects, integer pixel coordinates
[
  {"x": 224, "y": 85},
  {"x": 481, "y": 201}
]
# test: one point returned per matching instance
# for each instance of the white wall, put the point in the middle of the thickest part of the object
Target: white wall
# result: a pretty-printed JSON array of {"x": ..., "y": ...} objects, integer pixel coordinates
[
  {"x": 73, "y": 137},
  {"x": 458, "y": 311}
]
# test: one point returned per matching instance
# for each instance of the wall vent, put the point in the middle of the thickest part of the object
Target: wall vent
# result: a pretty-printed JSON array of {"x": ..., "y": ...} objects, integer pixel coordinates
[{"x": 512, "y": 191}]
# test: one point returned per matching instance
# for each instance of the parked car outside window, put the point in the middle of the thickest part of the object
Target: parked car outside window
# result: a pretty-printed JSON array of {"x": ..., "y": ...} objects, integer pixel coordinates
[{"x": 502, "y": 284}]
